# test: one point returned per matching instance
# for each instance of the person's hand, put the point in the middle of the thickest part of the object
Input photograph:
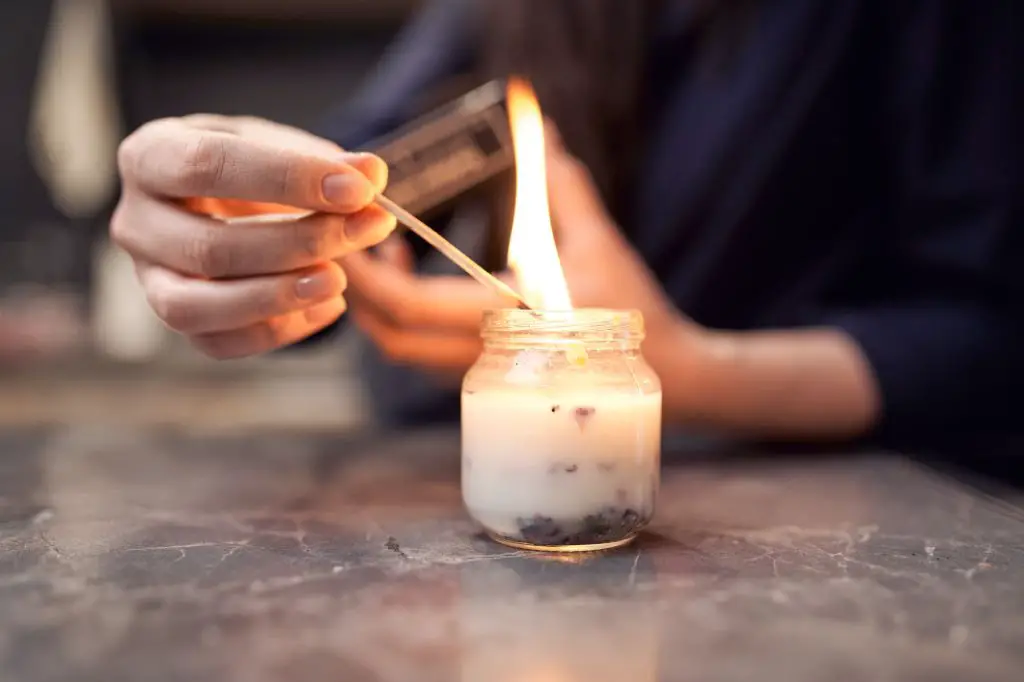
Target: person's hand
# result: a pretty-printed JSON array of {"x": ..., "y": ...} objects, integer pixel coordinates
[
  {"x": 241, "y": 289},
  {"x": 433, "y": 322}
]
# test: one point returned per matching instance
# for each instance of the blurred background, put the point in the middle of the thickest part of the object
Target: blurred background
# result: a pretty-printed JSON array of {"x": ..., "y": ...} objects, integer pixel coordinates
[{"x": 77, "y": 341}]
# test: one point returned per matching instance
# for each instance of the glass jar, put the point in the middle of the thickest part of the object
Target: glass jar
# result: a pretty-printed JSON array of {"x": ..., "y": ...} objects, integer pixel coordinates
[{"x": 561, "y": 430}]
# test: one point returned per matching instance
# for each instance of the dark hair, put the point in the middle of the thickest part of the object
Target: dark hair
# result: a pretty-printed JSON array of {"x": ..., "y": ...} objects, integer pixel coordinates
[{"x": 586, "y": 60}]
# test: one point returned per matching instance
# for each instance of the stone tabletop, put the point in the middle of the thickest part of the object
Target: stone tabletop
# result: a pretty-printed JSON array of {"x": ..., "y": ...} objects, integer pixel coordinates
[{"x": 153, "y": 555}]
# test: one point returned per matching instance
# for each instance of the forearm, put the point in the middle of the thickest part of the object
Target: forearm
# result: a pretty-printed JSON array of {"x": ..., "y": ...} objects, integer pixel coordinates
[{"x": 792, "y": 384}]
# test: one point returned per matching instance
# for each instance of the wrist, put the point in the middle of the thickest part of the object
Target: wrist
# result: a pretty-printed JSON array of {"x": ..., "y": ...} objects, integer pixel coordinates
[
  {"x": 811, "y": 383},
  {"x": 684, "y": 355}
]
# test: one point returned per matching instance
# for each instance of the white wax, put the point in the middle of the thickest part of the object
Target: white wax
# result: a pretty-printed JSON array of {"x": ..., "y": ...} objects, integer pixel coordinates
[{"x": 519, "y": 447}]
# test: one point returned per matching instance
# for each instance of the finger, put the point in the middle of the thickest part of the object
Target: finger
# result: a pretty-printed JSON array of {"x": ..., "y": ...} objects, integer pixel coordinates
[
  {"x": 270, "y": 334},
  {"x": 198, "y": 306},
  {"x": 434, "y": 351},
  {"x": 396, "y": 251},
  {"x": 408, "y": 300},
  {"x": 553, "y": 136},
  {"x": 163, "y": 233},
  {"x": 577, "y": 209},
  {"x": 173, "y": 159},
  {"x": 253, "y": 127},
  {"x": 372, "y": 167},
  {"x": 256, "y": 128},
  {"x": 236, "y": 208}
]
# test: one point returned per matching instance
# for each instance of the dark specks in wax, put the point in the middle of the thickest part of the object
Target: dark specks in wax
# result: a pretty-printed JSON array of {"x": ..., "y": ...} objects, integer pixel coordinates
[
  {"x": 392, "y": 545},
  {"x": 583, "y": 415},
  {"x": 555, "y": 408},
  {"x": 602, "y": 526}
]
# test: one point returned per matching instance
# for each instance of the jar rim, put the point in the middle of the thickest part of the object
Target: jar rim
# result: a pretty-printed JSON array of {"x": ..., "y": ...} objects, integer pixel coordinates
[{"x": 624, "y": 324}]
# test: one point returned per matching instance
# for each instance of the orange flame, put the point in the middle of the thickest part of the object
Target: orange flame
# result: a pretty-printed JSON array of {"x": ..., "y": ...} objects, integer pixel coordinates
[{"x": 532, "y": 255}]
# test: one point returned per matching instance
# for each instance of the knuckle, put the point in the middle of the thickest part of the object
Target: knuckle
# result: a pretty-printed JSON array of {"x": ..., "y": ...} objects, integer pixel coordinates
[
  {"x": 311, "y": 239},
  {"x": 172, "y": 307},
  {"x": 285, "y": 181},
  {"x": 119, "y": 228},
  {"x": 210, "y": 257},
  {"x": 136, "y": 147},
  {"x": 272, "y": 302},
  {"x": 274, "y": 332},
  {"x": 127, "y": 156},
  {"x": 391, "y": 348},
  {"x": 215, "y": 346},
  {"x": 204, "y": 163}
]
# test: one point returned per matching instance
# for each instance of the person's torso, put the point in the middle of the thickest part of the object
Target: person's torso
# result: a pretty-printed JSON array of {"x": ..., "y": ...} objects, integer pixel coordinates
[
  {"x": 762, "y": 182},
  {"x": 761, "y": 195}
]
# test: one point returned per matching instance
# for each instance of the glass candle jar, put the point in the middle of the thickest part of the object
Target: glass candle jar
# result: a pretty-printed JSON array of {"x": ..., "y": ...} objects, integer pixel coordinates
[{"x": 561, "y": 430}]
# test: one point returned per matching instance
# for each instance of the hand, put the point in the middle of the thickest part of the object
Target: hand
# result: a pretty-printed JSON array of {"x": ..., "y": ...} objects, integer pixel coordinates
[
  {"x": 434, "y": 322},
  {"x": 242, "y": 289}
]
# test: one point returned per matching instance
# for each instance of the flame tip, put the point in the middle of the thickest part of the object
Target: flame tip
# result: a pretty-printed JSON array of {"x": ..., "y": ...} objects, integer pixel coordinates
[{"x": 532, "y": 253}]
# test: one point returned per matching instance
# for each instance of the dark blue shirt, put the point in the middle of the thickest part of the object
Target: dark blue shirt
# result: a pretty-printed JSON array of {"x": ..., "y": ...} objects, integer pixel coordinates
[{"x": 859, "y": 165}]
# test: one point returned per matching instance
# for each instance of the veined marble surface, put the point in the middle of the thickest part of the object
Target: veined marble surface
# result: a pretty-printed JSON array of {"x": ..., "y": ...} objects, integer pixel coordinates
[{"x": 146, "y": 554}]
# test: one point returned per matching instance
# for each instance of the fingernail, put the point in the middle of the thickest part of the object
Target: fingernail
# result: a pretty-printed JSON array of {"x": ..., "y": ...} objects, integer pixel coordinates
[
  {"x": 362, "y": 226},
  {"x": 347, "y": 190},
  {"x": 315, "y": 287}
]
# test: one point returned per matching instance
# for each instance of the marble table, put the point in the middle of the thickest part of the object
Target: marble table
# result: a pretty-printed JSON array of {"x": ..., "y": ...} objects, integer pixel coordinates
[{"x": 154, "y": 555}]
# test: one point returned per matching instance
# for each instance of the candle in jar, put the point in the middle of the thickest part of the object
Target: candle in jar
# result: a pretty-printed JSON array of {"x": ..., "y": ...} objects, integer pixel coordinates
[{"x": 558, "y": 454}]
